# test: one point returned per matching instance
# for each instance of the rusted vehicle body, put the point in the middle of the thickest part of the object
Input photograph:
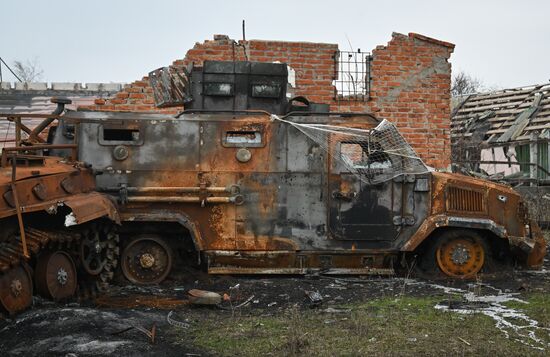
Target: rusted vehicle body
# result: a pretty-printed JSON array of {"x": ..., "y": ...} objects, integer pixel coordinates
[
  {"x": 234, "y": 185},
  {"x": 256, "y": 196},
  {"x": 47, "y": 208}
]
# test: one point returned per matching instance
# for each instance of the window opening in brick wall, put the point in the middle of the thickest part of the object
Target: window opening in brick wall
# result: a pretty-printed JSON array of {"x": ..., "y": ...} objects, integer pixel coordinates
[{"x": 352, "y": 75}]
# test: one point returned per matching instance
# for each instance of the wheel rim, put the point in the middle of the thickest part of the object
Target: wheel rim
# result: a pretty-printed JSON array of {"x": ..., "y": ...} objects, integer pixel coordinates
[
  {"x": 56, "y": 276},
  {"x": 146, "y": 261},
  {"x": 461, "y": 257},
  {"x": 16, "y": 290}
]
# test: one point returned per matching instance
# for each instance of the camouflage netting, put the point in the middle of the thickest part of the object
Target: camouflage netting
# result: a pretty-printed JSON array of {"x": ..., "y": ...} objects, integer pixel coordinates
[{"x": 374, "y": 155}]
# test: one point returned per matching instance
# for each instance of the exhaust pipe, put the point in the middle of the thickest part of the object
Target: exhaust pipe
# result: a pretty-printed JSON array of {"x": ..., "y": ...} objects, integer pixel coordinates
[{"x": 61, "y": 102}]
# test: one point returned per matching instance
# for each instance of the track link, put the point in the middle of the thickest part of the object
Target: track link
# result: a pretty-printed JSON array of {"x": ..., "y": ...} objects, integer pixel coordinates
[
  {"x": 12, "y": 257},
  {"x": 11, "y": 251}
]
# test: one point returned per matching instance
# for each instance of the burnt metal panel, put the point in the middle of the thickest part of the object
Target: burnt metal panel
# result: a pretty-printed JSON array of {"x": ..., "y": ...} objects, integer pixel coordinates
[
  {"x": 285, "y": 205},
  {"x": 303, "y": 154},
  {"x": 160, "y": 145},
  {"x": 231, "y": 86}
]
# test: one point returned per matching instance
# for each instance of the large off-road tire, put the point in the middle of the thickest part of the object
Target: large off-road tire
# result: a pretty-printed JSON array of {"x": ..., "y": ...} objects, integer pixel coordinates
[{"x": 455, "y": 254}]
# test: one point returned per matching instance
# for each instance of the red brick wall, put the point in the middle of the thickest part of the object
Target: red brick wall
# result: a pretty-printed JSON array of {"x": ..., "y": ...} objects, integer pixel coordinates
[{"x": 410, "y": 83}]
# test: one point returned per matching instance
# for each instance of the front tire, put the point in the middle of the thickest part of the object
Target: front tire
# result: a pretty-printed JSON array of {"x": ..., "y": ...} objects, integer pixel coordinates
[{"x": 456, "y": 254}]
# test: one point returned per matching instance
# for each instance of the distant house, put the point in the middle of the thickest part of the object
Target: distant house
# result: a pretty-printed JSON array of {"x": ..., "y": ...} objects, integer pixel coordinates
[
  {"x": 504, "y": 134},
  {"x": 36, "y": 97}
]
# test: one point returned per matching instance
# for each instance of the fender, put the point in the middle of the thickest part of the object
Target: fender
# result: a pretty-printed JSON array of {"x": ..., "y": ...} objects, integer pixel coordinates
[
  {"x": 168, "y": 216},
  {"x": 89, "y": 206},
  {"x": 434, "y": 222}
]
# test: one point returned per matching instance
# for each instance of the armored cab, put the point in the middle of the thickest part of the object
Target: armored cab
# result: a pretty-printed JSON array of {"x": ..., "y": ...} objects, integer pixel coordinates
[
  {"x": 237, "y": 86},
  {"x": 250, "y": 181}
]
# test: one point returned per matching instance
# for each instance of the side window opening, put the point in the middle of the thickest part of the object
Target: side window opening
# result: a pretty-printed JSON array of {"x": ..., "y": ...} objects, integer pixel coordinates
[
  {"x": 364, "y": 156},
  {"x": 109, "y": 135},
  {"x": 218, "y": 89},
  {"x": 120, "y": 134},
  {"x": 244, "y": 138},
  {"x": 266, "y": 90}
]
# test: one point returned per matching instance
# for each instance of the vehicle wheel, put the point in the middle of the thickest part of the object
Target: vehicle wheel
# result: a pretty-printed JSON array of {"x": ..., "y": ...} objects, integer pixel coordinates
[
  {"x": 146, "y": 260},
  {"x": 55, "y": 275},
  {"x": 16, "y": 289},
  {"x": 458, "y": 254}
]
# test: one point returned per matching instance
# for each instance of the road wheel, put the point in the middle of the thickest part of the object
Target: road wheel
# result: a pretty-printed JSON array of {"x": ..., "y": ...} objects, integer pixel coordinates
[
  {"x": 146, "y": 260},
  {"x": 16, "y": 289},
  {"x": 458, "y": 254},
  {"x": 55, "y": 275}
]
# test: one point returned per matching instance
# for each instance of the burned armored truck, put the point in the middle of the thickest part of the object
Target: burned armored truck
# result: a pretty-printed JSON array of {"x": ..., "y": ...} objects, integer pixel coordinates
[
  {"x": 259, "y": 184},
  {"x": 246, "y": 181}
]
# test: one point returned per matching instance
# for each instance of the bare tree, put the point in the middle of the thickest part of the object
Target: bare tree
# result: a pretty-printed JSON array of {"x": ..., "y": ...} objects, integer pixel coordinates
[
  {"x": 463, "y": 83},
  {"x": 28, "y": 71}
]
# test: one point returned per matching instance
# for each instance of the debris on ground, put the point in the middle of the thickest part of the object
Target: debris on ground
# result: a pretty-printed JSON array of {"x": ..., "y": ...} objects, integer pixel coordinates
[
  {"x": 175, "y": 322},
  {"x": 331, "y": 310},
  {"x": 60, "y": 329},
  {"x": 133, "y": 301},
  {"x": 203, "y": 297},
  {"x": 315, "y": 298},
  {"x": 151, "y": 334},
  {"x": 246, "y": 302}
]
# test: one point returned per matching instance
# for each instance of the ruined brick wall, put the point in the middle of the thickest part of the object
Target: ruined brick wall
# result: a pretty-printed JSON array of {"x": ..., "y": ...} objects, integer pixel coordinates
[{"x": 410, "y": 83}]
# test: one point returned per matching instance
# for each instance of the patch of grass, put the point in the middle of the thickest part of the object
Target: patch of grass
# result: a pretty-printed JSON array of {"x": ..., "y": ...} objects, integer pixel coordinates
[
  {"x": 386, "y": 326},
  {"x": 538, "y": 308}
]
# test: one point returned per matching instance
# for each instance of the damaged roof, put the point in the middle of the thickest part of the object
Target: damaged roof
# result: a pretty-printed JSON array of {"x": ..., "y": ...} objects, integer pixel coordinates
[{"x": 504, "y": 116}]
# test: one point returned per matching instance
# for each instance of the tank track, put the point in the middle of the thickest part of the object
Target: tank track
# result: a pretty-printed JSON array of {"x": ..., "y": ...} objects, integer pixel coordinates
[
  {"x": 11, "y": 251},
  {"x": 12, "y": 257}
]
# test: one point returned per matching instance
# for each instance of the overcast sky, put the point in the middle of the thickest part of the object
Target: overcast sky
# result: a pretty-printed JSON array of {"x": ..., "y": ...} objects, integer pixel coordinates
[{"x": 503, "y": 43}]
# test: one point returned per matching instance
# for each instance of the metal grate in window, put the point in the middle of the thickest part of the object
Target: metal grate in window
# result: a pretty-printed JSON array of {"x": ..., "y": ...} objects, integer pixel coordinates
[{"x": 353, "y": 75}]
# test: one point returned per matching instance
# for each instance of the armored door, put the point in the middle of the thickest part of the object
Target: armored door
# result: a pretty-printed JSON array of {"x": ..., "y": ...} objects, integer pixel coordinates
[{"x": 363, "y": 205}]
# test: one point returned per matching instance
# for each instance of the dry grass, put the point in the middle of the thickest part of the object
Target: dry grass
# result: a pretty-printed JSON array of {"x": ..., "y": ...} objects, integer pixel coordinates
[{"x": 382, "y": 327}]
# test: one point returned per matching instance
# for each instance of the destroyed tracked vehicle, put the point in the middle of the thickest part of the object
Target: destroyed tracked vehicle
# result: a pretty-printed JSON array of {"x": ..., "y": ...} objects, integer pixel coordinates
[{"x": 245, "y": 181}]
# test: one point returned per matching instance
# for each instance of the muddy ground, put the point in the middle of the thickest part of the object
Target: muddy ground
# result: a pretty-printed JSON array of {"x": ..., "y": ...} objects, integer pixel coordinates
[{"x": 119, "y": 325}]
